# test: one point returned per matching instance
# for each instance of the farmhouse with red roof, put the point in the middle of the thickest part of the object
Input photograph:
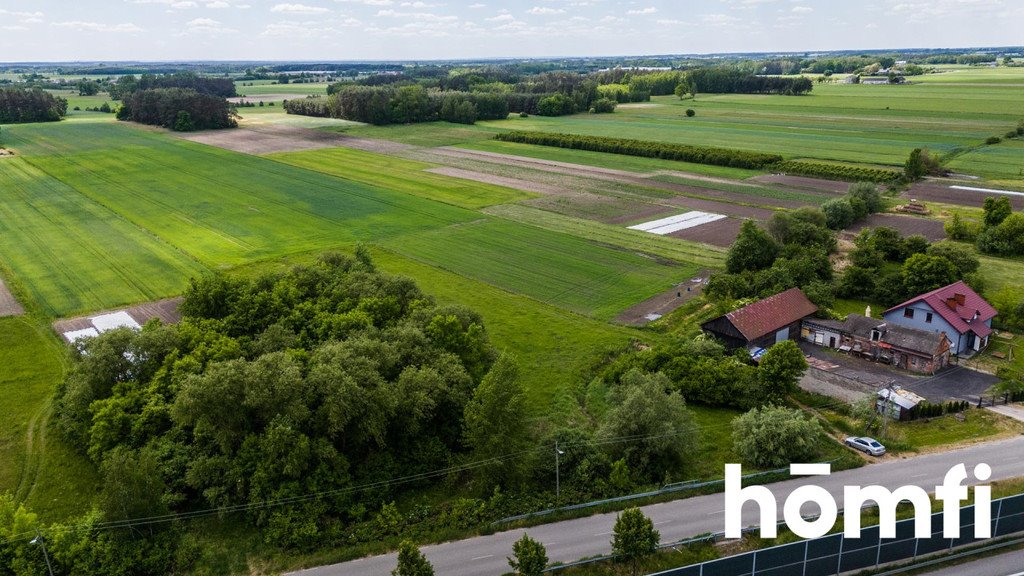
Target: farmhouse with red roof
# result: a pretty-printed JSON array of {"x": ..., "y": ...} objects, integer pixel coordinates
[
  {"x": 763, "y": 323},
  {"x": 955, "y": 310}
]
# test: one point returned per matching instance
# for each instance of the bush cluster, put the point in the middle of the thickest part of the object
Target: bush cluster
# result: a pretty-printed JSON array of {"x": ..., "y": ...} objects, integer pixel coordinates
[
  {"x": 663, "y": 150},
  {"x": 838, "y": 171},
  {"x": 308, "y": 106}
]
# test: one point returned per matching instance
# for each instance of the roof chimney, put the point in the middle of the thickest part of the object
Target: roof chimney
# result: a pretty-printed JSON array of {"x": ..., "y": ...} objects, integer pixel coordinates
[
  {"x": 960, "y": 299},
  {"x": 951, "y": 302}
]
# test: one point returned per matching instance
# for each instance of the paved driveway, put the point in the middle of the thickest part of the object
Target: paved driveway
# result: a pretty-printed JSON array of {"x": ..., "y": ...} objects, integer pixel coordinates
[{"x": 952, "y": 383}]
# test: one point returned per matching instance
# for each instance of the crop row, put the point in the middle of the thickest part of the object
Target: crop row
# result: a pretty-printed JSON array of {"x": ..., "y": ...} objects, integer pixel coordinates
[{"x": 663, "y": 150}]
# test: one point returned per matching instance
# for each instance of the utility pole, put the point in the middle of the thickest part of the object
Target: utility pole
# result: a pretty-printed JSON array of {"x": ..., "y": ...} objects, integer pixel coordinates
[
  {"x": 888, "y": 408},
  {"x": 558, "y": 480},
  {"x": 42, "y": 543}
]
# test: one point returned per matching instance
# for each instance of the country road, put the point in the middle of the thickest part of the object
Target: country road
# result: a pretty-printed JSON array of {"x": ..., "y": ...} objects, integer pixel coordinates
[
  {"x": 1004, "y": 564},
  {"x": 571, "y": 540}
]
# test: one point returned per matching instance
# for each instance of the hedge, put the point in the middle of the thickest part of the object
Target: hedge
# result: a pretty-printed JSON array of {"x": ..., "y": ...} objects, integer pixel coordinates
[
  {"x": 838, "y": 171},
  {"x": 666, "y": 151}
]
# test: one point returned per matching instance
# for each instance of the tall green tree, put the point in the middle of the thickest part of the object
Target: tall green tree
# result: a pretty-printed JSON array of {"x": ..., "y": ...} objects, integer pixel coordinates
[
  {"x": 496, "y": 424},
  {"x": 529, "y": 558},
  {"x": 780, "y": 369},
  {"x": 634, "y": 539},
  {"x": 923, "y": 273},
  {"x": 411, "y": 562},
  {"x": 996, "y": 210},
  {"x": 775, "y": 436},
  {"x": 753, "y": 249}
]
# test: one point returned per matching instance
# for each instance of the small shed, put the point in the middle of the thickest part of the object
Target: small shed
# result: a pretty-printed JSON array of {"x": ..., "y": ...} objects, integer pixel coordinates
[{"x": 901, "y": 402}]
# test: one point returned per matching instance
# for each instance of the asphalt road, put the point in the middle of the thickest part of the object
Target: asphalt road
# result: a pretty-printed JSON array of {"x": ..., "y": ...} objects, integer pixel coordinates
[
  {"x": 1007, "y": 564},
  {"x": 570, "y": 540}
]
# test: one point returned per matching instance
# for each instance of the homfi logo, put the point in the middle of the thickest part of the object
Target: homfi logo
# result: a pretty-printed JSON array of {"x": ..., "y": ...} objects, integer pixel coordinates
[{"x": 952, "y": 492}]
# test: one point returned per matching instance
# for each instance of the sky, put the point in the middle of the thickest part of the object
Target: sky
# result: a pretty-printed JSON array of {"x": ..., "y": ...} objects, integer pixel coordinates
[{"x": 331, "y": 30}]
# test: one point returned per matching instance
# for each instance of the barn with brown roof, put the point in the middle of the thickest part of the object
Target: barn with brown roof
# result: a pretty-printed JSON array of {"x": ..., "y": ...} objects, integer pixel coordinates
[{"x": 763, "y": 323}]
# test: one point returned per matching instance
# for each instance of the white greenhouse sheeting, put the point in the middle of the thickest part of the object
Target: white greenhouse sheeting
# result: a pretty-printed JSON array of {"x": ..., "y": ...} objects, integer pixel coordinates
[
  {"x": 75, "y": 335},
  {"x": 676, "y": 223},
  {"x": 990, "y": 190},
  {"x": 114, "y": 320}
]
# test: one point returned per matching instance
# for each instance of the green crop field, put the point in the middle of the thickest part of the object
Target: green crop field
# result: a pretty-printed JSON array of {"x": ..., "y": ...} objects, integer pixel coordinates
[
  {"x": 852, "y": 123},
  {"x": 221, "y": 207},
  {"x": 267, "y": 87},
  {"x": 402, "y": 175},
  {"x": 552, "y": 267},
  {"x": 72, "y": 253},
  {"x": 1003, "y": 161}
]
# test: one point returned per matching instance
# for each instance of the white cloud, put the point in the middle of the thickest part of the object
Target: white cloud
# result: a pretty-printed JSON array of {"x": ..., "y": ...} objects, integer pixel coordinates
[
  {"x": 183, "y": 5},
  {"x": 802, "y": 9},
  {"x": 299, "y": 9},
  {"x": 539, "y": 11},
  {"x": 207, "y": 26},
  {"x": 127, "y": 27},
  {"x": 648, "y": 10},
  {"x": 500, "y": 18},
  {"x": 719, "y": 19},
  {"x": 417, "y": 4},
  {"x": 477, "y": 5},
  {"x": 423, "y": 16},
  {"x": 218, "y": 4},
  {"x": 669, "y": 22}
]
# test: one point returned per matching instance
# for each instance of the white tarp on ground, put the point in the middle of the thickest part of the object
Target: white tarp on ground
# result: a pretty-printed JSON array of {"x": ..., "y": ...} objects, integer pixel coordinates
[
  {"x": 989, "y": 190},
  {"x": 676, "y": 223},
  {"x": 74, "y": 335},
  {"x": 120, "y": 319}
]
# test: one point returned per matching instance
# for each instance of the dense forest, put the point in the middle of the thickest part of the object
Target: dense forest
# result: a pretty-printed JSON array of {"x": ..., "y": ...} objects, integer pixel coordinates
[
  {"x": 178, "y": 109},
  {"x": 126, "y": 85},
  {"x": 30, "y": 105}
]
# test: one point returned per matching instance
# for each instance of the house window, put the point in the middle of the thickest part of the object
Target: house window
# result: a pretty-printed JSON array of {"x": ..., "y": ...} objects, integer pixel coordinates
[
  {"x": 928, "y": 317},
  {"x": 908, "y": 312},
  {"x": 913, "y": 361}
]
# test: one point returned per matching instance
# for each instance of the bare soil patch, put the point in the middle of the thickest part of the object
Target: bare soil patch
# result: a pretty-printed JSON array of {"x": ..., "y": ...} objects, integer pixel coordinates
[
  {"x": 907, "y": 225},
  {"x": 4, "y": 153},
  {"x": 536, "y": 163},
  {"x": 166, "y": 310},
  {"x": 716, "y": 207},
  {"x": 804, "y": 183},
  {"x": 936, "y": 191},
  {"x": 725, "y": 195},
  {"x": 268, "y": 139},
  {"x": 718, "y": 233},
  {"x": 657, "y": 306},
  {"x": 514, "y": 183},
  {"x": 8, "y": 305}
]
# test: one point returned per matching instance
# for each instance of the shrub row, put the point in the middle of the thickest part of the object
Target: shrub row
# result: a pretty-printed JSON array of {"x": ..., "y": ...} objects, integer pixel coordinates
[
  {"x": 838, "y": 171},
  {"x": 929, "y": 410},
  {"x": 666, "y": 151}
]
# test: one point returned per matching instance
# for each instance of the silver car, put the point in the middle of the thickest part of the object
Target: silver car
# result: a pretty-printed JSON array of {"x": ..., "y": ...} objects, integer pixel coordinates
[{"x": 865, "y": 444}]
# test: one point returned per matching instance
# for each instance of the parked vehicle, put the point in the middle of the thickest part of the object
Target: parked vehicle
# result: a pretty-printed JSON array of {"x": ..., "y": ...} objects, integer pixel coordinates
[{"x": 867, "y": 445}]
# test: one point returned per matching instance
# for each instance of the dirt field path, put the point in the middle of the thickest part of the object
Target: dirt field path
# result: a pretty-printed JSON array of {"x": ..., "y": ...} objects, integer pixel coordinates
[
  {"x": 659, "y": 305},
  {"x": 8, "y": 305}
]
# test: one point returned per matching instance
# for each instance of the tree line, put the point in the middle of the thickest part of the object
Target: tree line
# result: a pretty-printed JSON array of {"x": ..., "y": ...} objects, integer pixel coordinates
[
  {"x": 403, "y": 105},
  {"x": 729, "y": 80},
  {"x": 179, "y": 109},
  {"x": 213, "y": 86},
  {"x": 19, "y": 105}
]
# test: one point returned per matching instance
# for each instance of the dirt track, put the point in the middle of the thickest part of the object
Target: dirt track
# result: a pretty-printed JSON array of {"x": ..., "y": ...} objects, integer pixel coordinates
[
  {"x": 665, "y": 302},
  {"x": 8, "y": 305},
  {"x": 268, "y": 139}
]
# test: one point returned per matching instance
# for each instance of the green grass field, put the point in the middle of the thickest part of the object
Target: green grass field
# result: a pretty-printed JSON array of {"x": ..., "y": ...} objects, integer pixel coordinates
[
  {"x": 400, "y": 175},
  {"x": 272, "y": 87},
  {"x": 552, "y": 267}
]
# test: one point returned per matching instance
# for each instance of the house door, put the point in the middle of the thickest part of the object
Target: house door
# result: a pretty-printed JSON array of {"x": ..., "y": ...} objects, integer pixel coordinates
[
  {"x": 832, "y": 342},
  {"x": 782, "y": 335}
]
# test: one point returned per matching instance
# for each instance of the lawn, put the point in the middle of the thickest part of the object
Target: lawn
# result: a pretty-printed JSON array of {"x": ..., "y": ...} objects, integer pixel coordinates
[
  {"x": 400, "y": 175},
  {"x": 556, "y": 268}
]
